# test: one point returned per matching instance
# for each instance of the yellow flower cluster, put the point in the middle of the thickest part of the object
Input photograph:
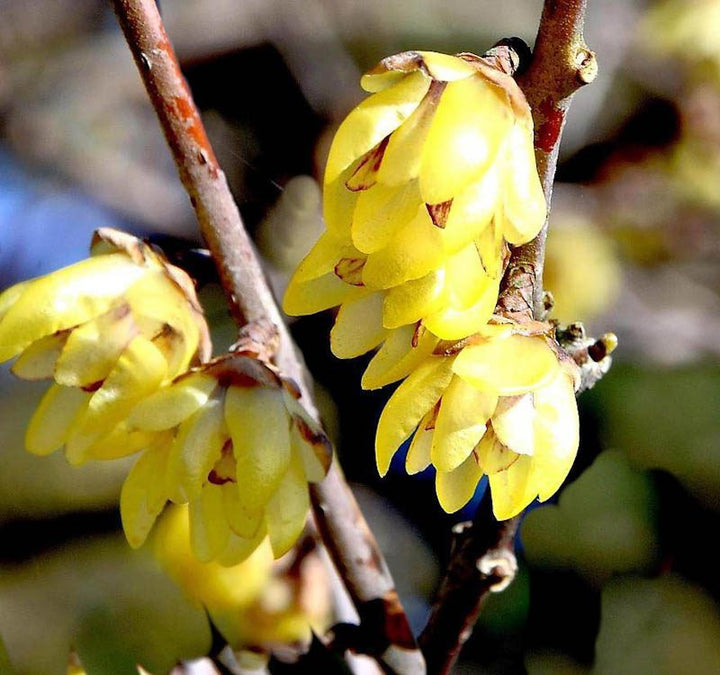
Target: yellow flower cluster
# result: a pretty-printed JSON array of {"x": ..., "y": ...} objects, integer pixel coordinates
[
  {"x": 428, "y": 183},
  {"x": 109, "y": 331},
  {"x": 124, "y": 340},
  {"x": 233, "y": 442}
]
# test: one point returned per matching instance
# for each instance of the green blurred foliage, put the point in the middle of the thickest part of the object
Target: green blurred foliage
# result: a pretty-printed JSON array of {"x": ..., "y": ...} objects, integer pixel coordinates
[
  {"x": 114, "y": 606},
  {"x": 602, "y": 525},
  {"x": 662, "y": 626},
  {"x": 666, "y": 419}
]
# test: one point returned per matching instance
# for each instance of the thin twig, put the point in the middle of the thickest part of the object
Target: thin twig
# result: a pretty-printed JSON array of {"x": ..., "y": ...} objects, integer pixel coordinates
[
  {"x": 348, "y": 538},
  {"x": 561, "y": 64}
]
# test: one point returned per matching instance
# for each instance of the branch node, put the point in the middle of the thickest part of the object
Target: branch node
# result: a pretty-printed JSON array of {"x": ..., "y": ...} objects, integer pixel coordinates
[
  {"x": 587, "y": 65},
  {"x": 500, "y": 564}
]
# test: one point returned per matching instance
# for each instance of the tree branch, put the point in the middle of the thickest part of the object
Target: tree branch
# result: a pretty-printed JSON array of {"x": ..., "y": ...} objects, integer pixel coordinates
[
  {"x": 483, "y": 557},
  {"x": 346, "y": 534}
]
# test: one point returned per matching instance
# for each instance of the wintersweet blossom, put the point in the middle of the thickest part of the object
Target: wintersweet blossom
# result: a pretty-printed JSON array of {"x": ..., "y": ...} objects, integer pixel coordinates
[
  {"x": 503, "y": 406},
  {"x": 109, "y": 330},
  {"x": 426, "y": 183},
  {"x": 232, "y": 441}
]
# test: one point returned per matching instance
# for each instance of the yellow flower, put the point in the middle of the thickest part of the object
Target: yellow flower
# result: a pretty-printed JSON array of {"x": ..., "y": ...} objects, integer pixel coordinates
[
  {"x": 109, "y": 331},
  {"x": 426, "y": 182},
  {"x": 503, "y": 406},
  {"x": 232, "y": 441},
  {"x": 254, "y": 604}
]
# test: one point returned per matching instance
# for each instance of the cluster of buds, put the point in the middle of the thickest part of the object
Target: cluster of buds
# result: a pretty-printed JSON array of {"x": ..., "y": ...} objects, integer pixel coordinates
[
  {"x": 123, "y": 339},
  {"x": 428, "y": 184}
]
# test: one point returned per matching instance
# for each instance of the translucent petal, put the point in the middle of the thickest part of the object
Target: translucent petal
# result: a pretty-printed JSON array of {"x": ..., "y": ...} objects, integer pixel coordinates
[
  {"x": 324, "y": 256},
  {"x": 414, "y": 251},
  {"x": 445, "y": 67},
  {"x": 556, "y": 435},
  {"x": 381, "y": 212},
  {"x": 139, "y": 507},
  {"x": 119, "y": 442},
  {"x": 53, "y": 419},
  {"x": 513, "y": 423},
  {"x": 513, "y": 365},
  {"x": 308, "y": 297},
  {"x": 403, "y": 154},
  {"x": 11, "y": 295},
  {"x": 358, "y": 327},
  {"x": 37, "y": 361},
  {"x": 397, "y": 357},
  {"x": 511, "y": 489},
  {"x": 138, "y": 372},
  {"x": 468, "y": 127},
  {"x": 238, "y": 549},
  {"x": 465, "y": 279},
  {"x": 244, "y": 522},
  {"x": 172, "y": 322},
  {"x": 169, "y": 406},
  {"x": 372, "y": 120},
  {"x": 408, "y": 405},
  {"x": 492, "y": 455},
  {"x": 287, "y": 511},
  {"x": 339, "y": 204},
  {"x": 65, "y": 299},
  {"x": 308, "y": 440},
  {"x": 413, "y": 300},
  {"x": 418, "y": 454},
  {"x": 197, "y": 446},
  {"x": 374, "y": 82},
  {"x": 209, "y": 530},
  {"x": 92, "y": 350},
  {"x": 473, "y": 209},
  {"x": 456, "y": 488},
  {"x": 460, "y": 424},
  {"x": 259, "y": 428},
  {"x": 454, "y": 324},
  {"x": 524, "y": 202}
]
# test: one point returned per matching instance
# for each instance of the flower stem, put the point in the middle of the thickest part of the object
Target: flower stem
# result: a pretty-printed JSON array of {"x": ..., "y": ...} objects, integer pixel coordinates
[{"x": 355, "y": 553}]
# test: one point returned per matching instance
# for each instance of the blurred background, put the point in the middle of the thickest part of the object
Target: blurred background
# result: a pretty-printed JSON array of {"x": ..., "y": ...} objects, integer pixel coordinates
[{"x": 618, "y": 575}]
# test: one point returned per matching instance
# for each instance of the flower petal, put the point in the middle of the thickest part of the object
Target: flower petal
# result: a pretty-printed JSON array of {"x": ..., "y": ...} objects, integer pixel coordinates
[
  {"x": 287, "y": 510},
  {"x": 139, "y": 502},
  {"x": 373, "y": 120},
  {"x": 460, "y": 424},
  {"x": 259, "y": 428},
  {"x": 53, "y": 419},
  {"x": 315, "y": 295},
  {"x": 358, "y": 327},
  {"x": 408, "y": 405},
  {"x": 456, "y": 488},
  {"x": 209, "y": 530},
  {"x": 37, "y": 361},
  {"x": 381, "y": 212},
  {"x": 511, "y": 489},
  {"x": 414, "y": 251},
  {"x": 197, "y": 446},
  {"x": 418, "y": 454},
  {"x": 245, "y": 523},
  {"x": 524, "y": 202},
  {"x": 397, "y": 357},
  {"x": 92, "y": 350},
  {"x": 513, "y": 423},
  {"x": 467, "y": 129},
  {"x": 65, "y": 298},
  {"x": 492, "y": 456},
  {"x": 413, "y": 300},
  {"x": 168, "y": 407},
  {"x": 512, "y": 365}
]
